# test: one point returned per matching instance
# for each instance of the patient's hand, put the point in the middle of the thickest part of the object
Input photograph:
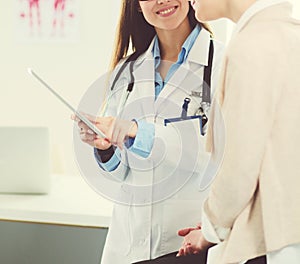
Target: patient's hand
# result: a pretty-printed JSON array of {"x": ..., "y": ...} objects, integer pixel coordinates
[
  {"x": 185, "y": 231},
  {"x": 193, "y": 241}
]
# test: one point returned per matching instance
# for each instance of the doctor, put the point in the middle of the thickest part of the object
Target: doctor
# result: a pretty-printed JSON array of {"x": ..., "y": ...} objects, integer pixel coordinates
[{"x": 154, "y": 121}]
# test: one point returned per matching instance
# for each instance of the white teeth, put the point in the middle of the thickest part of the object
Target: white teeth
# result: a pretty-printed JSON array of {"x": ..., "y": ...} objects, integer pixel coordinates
[{"x": 167, "y": 11}]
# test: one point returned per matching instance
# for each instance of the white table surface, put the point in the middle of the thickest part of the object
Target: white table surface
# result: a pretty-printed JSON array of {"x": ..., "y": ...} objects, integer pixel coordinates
[{"x": 70, "y": 202}]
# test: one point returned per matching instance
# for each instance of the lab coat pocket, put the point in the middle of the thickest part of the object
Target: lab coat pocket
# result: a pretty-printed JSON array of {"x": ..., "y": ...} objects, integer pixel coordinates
[
  {"x": 189, "y": 141},
  {"x": 178, "y": 122},
  {"x": 179, "y": 214},
  {"x": 119, "y": 228}
]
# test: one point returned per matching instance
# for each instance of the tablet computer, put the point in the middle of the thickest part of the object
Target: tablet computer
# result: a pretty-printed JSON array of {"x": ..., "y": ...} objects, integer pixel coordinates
[{"x": 78, "y": 114}]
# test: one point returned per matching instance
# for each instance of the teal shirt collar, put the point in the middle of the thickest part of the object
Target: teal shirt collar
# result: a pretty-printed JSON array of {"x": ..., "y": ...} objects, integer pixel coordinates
[{"x": 185, "y": 50}]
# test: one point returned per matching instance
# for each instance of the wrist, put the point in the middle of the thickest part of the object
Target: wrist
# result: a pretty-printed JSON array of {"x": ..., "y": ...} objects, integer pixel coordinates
[
  {"x": 105, "y": 155},
  {"x": 202, "y": 243}
]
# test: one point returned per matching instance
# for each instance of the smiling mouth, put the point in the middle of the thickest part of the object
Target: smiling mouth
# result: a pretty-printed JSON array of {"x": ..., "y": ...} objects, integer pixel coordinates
[{"x": 167, "y": 11}]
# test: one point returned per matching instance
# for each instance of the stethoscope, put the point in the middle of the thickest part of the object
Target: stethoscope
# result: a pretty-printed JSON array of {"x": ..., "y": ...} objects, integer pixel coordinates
[
  {"x": 202, "y": 110},
  {"x": 130, "y": 60}
]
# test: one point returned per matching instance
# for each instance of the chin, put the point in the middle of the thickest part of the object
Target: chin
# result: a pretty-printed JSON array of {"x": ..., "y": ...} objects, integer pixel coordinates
[{"x": 169, "y": 26}]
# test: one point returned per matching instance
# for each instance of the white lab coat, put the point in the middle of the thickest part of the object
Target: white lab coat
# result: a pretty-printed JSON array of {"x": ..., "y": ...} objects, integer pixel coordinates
[{"x": 140, "y": 230}]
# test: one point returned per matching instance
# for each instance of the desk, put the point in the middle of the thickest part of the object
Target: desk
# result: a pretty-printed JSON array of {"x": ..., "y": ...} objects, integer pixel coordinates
[
  {"x": 71, "y": 201},
  {"x": 66, "y": 226}
]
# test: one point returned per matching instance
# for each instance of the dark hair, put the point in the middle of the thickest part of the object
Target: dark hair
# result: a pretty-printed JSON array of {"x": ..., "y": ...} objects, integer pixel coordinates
[{"x": 135, "y": 30}]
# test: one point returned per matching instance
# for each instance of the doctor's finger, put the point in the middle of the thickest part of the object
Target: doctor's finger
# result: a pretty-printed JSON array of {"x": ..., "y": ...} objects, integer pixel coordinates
[
  {"x": 89, "y": 142},
  {"x": 102, "y": 120},
  {"x": 121, "y": 139},
  {"x": 91, "y": 118},
  {"x": 87, "y": 137},
  {"x": 101, "y": 143},
  {"x": 84, "y": 128},
  {"x": 115, "y": 132},
  {"x": 119, "y": 134},
  {"x": 75, "y": 118},
  {"x": 81, "y": 124},
  {"x": 107, "y": 126},
  {"x": 115, "y": 137}
]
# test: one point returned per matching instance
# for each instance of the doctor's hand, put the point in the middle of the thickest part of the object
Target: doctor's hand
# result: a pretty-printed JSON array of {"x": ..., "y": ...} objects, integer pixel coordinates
[
  {"x": 88, "y": 136},
  {"x": 117, "y": 131},
  {"x": 193, "y": 242}
]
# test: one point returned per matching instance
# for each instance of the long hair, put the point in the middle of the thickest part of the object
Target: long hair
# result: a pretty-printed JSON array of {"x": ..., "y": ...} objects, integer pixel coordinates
[{"x": 135, "y": 30}]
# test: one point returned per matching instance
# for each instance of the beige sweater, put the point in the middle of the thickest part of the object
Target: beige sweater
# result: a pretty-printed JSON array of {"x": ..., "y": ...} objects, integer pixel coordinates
[{"x": 256, "y": 191}]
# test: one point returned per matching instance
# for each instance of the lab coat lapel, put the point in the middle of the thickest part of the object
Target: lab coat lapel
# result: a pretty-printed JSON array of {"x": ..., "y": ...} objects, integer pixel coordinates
[
  {"x": 174, "y": 85},
  {"x": 198, "y": 56},
  {"x": 199, "y": 51}
]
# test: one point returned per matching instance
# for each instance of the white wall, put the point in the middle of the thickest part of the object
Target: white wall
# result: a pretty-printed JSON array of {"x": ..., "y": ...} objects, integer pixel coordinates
[
  {"x": 223, "y": 28},
  {"x": 296, "y": 4},
  {"x": 70, "y": 68}
]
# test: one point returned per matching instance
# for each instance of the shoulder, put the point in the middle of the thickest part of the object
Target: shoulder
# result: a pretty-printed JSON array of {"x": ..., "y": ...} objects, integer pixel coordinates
[
  {"x": 253, "y": 48},
  {"x": 263, "y": 41},
  {"x": 219, "y": 46}
]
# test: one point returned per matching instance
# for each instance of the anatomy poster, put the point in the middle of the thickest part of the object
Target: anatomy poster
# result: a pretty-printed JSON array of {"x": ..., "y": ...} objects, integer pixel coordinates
[{"x": 47, "y": 20}]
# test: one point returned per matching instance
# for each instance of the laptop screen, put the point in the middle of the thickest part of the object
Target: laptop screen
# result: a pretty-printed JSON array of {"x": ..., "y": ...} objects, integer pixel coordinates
[{"x": 24, "y": 160}]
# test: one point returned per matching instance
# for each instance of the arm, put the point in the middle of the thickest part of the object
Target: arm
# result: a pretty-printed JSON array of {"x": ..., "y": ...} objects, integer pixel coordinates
[
  {"x": 148, "y": 136},
  {"x": 248, "y": 109}
]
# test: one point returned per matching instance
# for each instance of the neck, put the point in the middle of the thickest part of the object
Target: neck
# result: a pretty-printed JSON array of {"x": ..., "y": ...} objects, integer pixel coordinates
[
  {"x": 171, "y": 41},
  {"x": 236, "y": 8}
]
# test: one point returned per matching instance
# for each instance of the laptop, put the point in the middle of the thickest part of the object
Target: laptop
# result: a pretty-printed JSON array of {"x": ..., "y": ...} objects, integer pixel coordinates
[{"x": 24, "y": 160}]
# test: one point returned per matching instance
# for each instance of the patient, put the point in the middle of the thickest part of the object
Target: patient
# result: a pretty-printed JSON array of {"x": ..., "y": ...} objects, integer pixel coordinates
[{"x": 253, "y": 204}]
